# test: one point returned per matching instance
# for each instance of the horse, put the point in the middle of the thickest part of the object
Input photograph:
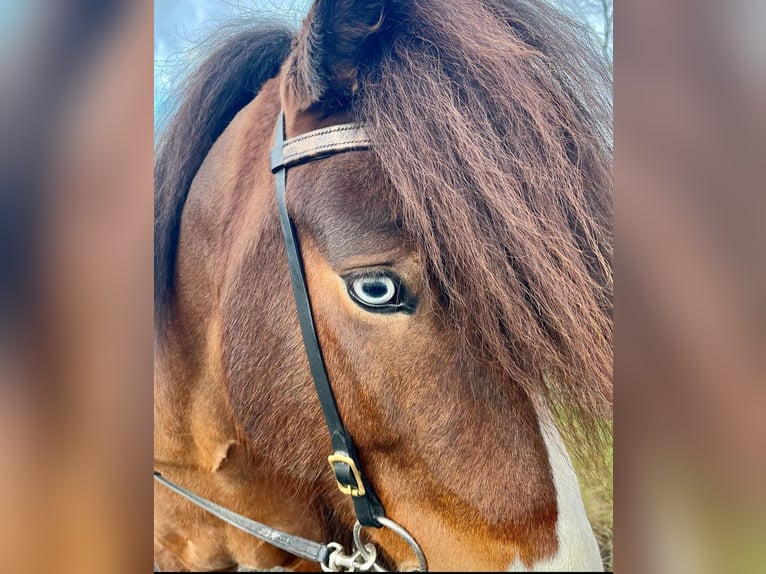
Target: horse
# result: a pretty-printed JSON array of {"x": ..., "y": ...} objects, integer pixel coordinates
[{"x": 385, "y": 237}]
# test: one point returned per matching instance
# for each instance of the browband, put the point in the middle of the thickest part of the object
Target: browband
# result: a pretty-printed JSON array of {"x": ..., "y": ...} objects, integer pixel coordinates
[{"x": 317, "y": 144}]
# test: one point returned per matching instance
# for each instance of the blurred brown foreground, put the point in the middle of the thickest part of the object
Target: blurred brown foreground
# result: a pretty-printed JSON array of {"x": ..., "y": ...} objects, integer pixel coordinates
[{"x": 76, "y": 122}]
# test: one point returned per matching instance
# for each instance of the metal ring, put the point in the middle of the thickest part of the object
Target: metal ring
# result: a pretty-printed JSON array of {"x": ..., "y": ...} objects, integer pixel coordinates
[
  {"x": 366, "y": 550},
  {"x": 369, "y": 554},
  {"x": 330, "y": 567},
  {"x": 397, "y": 529}
]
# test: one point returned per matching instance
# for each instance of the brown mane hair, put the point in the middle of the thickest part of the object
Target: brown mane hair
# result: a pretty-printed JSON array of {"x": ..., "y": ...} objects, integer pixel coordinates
[
  {"x": 237, "y": 65},
  {"x": 493, "y": 125}
]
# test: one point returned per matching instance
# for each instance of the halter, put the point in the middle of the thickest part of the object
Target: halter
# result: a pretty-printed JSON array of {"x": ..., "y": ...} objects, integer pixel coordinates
[{"x": 344, "y": 460}]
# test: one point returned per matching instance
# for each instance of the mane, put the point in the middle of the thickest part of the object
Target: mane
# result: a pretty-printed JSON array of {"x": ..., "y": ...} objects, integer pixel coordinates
[
  {"x": 492, "y": 121},
  {"x": 227, "y": 80}
]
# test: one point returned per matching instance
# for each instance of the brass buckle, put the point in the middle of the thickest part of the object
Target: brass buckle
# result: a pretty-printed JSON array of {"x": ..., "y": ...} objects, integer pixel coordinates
[{"x": 346, "y": 489}]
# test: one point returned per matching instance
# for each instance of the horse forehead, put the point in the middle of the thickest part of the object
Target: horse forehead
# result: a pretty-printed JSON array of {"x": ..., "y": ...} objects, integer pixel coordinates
[{"x": 346, "y": 204}]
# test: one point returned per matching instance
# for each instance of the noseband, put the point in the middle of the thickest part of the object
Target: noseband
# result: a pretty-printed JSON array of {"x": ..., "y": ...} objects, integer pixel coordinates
[{"x": 344, "y": 460}]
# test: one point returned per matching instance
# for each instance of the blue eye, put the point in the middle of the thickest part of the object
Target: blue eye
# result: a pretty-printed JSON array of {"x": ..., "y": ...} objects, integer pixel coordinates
[
  {"x": 380, "y": 292},
  {"x": 374, "y": 290}
]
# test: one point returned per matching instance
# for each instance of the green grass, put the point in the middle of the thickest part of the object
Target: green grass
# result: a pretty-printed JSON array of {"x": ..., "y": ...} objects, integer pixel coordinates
[
  {"x": 593, "y": 462},
  {"x": 598, "y": 496}
]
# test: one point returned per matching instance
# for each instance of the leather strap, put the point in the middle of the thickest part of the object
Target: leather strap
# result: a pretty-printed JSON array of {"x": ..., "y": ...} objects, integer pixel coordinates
[
  {"x": 317, "y": 144},
  {"x": 307, "y": 549},
  {"x": 308, "y": 147}
]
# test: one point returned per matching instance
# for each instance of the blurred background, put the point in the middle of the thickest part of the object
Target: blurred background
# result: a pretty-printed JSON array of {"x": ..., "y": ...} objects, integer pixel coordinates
[
  {"x": 83, "y": 86},
  {"x": 180, "y": 25}
]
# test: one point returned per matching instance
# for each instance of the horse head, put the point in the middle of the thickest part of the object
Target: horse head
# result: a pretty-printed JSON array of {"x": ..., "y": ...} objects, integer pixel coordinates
[{"x": 458, "y": 267}]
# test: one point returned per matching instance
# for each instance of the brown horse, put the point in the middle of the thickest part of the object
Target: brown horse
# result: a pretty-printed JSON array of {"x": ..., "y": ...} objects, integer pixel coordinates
[{"x": 459, "y": 274}]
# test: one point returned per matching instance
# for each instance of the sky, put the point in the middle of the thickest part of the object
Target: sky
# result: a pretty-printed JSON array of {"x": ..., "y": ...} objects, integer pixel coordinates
[{"x": 178, "y": 23}]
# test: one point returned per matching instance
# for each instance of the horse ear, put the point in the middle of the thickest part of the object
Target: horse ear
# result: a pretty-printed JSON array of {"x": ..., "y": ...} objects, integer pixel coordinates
[{"x": 338, "y": 39}]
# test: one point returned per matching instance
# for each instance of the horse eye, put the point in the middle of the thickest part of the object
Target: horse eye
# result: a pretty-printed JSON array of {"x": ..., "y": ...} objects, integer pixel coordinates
[{"x": 374, "y": 290}]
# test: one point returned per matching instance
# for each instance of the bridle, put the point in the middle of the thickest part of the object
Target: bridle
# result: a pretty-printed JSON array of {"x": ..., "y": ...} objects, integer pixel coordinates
[{"x": 344, "y": 461}]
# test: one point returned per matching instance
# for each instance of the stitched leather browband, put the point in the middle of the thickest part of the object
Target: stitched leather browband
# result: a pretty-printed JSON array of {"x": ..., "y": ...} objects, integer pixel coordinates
[{"x": 317, "y": 144}]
